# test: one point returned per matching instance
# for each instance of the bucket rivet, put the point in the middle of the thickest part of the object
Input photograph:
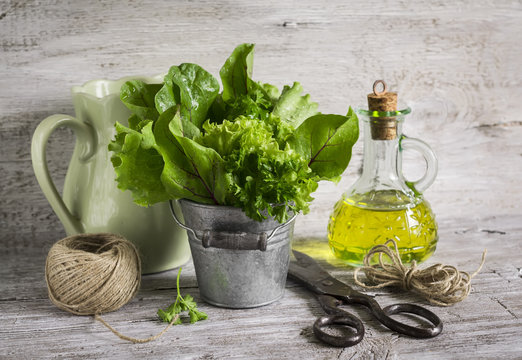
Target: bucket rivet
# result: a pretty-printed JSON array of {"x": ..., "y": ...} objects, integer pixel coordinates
[{"x": 327, "y": 283}]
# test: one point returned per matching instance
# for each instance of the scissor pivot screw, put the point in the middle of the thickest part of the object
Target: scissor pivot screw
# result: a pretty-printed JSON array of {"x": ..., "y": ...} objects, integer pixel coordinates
[{"x": 327, "y": 283}]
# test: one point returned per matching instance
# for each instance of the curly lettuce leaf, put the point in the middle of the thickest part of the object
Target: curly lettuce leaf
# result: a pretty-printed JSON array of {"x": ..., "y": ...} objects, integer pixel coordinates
[
  {"x": 138, "y": 167},
  {"x": 265, "y": 179},
  {"x": 294, "y": 108},
  {"x": 194, "y": 89},
  {"x": 268, "y": 180},
  {"x": 255, "y": 105},
  {"x": 272, "y": 91},
  {"x": 326, "y": 142},
  {"x": 136, "y": 123},
  {"x": 223, "y": 138},
  {"x": 139, "y": 98}
]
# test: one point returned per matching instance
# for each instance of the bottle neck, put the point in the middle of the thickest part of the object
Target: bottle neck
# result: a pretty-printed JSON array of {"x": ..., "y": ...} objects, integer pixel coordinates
[
  {"x": 382, "y": 184},
  {"x": 381, "y": 157}
]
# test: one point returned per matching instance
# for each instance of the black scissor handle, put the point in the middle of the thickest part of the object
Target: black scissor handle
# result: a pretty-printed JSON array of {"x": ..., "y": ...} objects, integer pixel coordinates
[
  {"x": 337, "y": 316},
  {"x": 383, "y": 315},
  {"x": 345, "y": 340}
]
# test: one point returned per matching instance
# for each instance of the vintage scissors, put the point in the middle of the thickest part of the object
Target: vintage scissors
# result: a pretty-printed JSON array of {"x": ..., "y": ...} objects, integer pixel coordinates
[{"x": 332, "y": 293}]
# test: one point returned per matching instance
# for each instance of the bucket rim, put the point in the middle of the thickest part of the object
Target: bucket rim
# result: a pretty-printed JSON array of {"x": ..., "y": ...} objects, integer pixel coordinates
[
  {"x": 228, "y": 207},
  {"x": 210, "y": 206},
  {"x": 260, "y": 243}
]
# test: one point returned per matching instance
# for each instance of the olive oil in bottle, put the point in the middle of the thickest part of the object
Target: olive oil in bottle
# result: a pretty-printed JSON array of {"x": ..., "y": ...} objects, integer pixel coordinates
[
  {"x": 382, "y": 205},
  {"x": 356, "y": 226}
]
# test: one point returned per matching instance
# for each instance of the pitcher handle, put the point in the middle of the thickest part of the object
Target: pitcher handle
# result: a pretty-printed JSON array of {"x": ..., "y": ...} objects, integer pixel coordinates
[
  {"x": 431, "y": 163},
  {"x": 85, "y": 136}
]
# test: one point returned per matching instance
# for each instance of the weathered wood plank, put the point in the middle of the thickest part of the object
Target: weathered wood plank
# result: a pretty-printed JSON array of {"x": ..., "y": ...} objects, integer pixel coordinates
[{"x": 487, "y": 322}]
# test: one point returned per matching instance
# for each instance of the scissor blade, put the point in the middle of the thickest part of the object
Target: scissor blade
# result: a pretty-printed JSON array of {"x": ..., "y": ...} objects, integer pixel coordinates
[
  {"x": 308, "y": 272},
  {"x": 307, "y": 262}
]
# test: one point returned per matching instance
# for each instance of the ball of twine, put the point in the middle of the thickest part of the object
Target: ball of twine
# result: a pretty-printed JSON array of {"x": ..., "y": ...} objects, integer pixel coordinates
[
  {"x": 439, "y": 284},
  {"x": 90, "y": 274}
]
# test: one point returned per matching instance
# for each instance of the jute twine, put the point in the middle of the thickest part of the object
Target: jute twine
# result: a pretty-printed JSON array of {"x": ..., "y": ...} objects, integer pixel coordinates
[
  {"x": 90, "y": 274},
  {"x": 439, "y": 284}
]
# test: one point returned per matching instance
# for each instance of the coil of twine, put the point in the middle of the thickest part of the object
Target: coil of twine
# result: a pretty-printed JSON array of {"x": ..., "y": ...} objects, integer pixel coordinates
[
  {"x": 439, "y": 284},
  {"x": 90, "y": 274}
]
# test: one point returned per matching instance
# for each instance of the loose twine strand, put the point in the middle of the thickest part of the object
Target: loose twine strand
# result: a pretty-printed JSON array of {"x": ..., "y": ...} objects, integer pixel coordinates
[
  {"x": 90, "y": 274},
  {"x": 135, "y": 340},
  {"x": 439, "y": 284}
]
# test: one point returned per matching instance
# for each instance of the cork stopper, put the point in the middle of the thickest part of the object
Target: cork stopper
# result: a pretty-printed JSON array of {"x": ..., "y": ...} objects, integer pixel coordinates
[{"x": 383, "y": 128}]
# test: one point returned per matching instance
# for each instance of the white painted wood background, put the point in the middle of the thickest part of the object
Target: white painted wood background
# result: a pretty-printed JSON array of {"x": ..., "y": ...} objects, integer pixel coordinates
[{"x": 457, "y": 63}]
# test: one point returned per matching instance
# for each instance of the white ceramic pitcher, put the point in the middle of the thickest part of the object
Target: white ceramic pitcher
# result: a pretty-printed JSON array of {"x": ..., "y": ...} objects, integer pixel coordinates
[{"x": 91, "y": 200}]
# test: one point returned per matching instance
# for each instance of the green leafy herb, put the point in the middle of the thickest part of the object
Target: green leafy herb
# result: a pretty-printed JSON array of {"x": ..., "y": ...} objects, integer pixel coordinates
[
  {"x": 181, "y": 304},
  {"x": 250, "y": 146}
]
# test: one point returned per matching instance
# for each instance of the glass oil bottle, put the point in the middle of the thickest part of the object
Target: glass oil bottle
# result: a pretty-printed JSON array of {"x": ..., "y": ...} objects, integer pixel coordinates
[{"x": 382, "y": 204}]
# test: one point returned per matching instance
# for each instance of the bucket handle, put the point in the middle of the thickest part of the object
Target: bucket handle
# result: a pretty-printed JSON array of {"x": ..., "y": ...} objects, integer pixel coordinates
[{"x": 231, "y": 240}]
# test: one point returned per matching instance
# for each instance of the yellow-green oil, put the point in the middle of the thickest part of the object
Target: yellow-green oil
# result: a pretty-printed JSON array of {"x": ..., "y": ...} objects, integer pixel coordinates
[{"x": 357, "y": 225}]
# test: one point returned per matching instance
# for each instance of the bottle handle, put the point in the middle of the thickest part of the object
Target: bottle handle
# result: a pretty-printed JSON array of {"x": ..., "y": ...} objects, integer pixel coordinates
[
  {"x": 85, "y": 136},
  {"x": 428, "y": 178}
]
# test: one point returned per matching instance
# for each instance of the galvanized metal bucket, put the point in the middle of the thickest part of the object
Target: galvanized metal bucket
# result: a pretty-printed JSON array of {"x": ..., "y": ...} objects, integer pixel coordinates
[{"x": 239, "y": 262}]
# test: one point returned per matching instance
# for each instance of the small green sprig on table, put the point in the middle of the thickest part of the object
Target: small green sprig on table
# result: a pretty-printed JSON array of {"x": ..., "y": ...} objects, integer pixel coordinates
[{"x": 181, "y": 304}]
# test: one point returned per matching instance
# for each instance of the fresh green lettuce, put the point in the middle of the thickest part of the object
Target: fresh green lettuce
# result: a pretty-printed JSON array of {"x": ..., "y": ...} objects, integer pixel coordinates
[
  {"x": 294, "y": 108},
  {"x": 138, "y": 167},
  {"x": 326, "y": 141},
  {"x": 194, "y": 90},
  {"x": 250, "y": 146},
  {"x": 139, "y": 98},
  {"x": 236, "y": 73},
  {"x": 262, "y": 176}
]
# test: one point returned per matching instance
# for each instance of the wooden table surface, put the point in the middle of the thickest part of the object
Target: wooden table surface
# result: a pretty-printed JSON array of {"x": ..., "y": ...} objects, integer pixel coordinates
[{"x": 456, "y": 63}]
